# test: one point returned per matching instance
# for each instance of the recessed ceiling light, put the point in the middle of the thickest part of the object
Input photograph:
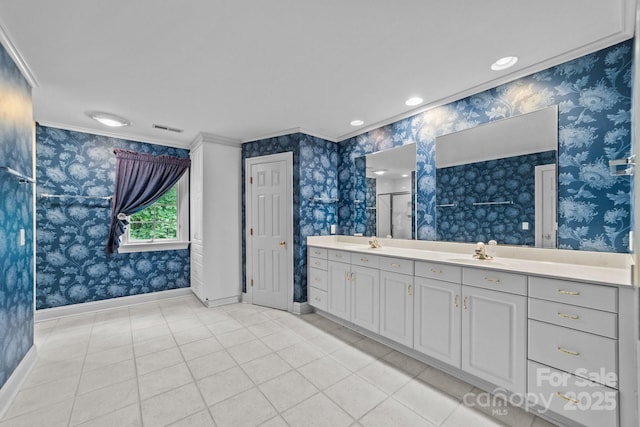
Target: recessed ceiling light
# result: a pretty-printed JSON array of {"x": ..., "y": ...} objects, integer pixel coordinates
[
  {"x": 380, "y": 172},
  {"x": 416, "y": 100},
  {"x": 108, "y": 119},
  {"x": 357, "y": 122},
  {"x": 504, "y": 63},
  {"x": 405, "y": 175}
]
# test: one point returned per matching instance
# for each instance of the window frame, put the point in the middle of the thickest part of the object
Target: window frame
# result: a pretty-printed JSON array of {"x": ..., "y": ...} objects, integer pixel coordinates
[{"x": 182, "y": 240}]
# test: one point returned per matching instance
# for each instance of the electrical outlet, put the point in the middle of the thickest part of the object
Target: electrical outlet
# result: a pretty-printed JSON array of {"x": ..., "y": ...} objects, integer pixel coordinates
[
  {"x": 333, "y": 229},
  {"x": 525, "y": 225}
]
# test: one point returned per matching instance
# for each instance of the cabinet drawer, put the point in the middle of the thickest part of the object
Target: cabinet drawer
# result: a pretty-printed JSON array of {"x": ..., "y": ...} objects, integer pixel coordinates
[
  {"x": 569, "y": 350},
  {"x": 397, "y": 265},
  {"x": 318, "y": 298},
  {"x": 496, "y": 280},
  {"x": 448, "y": 273},
  {"x": 317, "y": 252},
  {"x": 571, "y": 316},
  {"x": 365, "y": 260},
  {"x": 340, "y": 256},
  {"x": 596, "y": 405},
  {"x": 586, "y": 295},
  {"x": 317, "y": 278},
  {"x": 318, "y": 263}
]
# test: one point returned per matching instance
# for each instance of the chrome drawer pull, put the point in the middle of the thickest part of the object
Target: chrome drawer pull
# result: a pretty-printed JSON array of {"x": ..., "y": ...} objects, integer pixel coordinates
[
  {"x": 567, "y": 398},
  {"x": 317, "y": 279},
  {"x": 572, "y": 293},
  {"x": 338, "y": 256},
  {"x": 569, "y": 352},
  {"x": 316, "y": 263},
  {"x": 435, "y": 270},
  {"x": 364, "y": 260},
  {"x": 393, "y": 264},
  {"x": 491, "y": 280},
  {"x": 317, "y": 253},
  {"x": 568, "y": 316}
]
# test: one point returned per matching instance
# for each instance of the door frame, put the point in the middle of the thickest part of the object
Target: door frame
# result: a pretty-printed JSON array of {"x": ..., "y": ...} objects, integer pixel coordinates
[
  {"x": 287, "y": 157},
  {"x": 538, "y": 200}
]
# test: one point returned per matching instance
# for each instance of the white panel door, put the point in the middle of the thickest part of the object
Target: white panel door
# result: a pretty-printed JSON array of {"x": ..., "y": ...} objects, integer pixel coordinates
[
  {"x": 438, "y": 319},
  {"x": 396, "y": 307},
  {"x": 365, "y": 297},
  {"x": 269, "y": 225},
  {"x": 339, "y": 293},
  {"x": 494, "y": 337}
]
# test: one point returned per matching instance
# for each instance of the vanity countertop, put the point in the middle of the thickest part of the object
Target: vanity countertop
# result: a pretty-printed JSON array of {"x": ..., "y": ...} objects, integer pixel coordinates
[{"x": 593, "y": 267}]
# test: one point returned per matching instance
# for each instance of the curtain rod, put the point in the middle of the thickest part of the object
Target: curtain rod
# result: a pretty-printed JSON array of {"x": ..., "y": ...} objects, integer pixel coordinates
[{"x": 62, "y": 196}]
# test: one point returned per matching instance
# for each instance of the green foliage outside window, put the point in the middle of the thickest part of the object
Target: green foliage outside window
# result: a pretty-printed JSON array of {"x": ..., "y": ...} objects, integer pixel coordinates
[{"x": 158, "y": 221}]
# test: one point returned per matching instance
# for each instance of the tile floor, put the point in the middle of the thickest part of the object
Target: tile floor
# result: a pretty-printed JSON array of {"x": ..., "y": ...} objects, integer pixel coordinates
[{"x": 177, "y": 363}]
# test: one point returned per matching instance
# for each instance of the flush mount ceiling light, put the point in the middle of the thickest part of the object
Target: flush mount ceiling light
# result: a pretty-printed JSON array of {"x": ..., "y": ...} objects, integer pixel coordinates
[
  {"x": 416, "y": 100},
  {"x": 356, "y": 123},
  {"x": 108, "y": 119},
  {"x": 504, "y": 63}
]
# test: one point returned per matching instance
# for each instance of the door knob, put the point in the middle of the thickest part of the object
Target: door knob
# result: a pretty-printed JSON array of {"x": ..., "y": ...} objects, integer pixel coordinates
[{"x": 283, "y": 243}]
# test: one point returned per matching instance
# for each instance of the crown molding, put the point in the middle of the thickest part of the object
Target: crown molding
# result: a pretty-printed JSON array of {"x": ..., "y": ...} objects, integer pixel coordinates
[
  {"x": 166, "y": 143},
  {"x": 625, "y": 33},
  {"x": 17, "y": 57},
  {"x": 289, "y": 132},
  {"x": 214, "y": 139}
]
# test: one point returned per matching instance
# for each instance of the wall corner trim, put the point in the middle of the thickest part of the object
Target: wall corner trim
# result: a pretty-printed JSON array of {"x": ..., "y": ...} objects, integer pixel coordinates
[
  {"x": 89, "y": 307},
  {"x": 10, "y": 389},
  {"x": 302, "y": 308},
  {"x": 17, "y": 57}
]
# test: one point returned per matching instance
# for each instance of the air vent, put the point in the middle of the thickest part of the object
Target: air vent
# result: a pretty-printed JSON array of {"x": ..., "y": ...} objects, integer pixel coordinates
[{"x": 167, "y": 128}]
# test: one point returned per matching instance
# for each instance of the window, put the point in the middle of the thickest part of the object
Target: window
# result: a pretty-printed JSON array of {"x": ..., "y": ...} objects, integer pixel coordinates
[{"x": 161, "y": 226}]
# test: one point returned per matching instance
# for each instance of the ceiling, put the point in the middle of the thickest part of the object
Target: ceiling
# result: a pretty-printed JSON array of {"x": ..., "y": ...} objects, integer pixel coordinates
[{"x": 248, "y": 69}]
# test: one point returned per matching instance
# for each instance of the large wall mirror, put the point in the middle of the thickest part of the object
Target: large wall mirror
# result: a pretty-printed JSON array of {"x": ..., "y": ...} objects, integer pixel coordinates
[{"x": 494, "y": 181}]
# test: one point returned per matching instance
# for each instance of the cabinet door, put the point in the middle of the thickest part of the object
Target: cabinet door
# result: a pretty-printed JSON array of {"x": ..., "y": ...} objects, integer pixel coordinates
[
  {"x": 195, "y": 194},
  {"x": 494, "y": 337},
  {"x": 396, "y": 307},
  {"x": 365, "y": 297},
  {"x": 437, "y": 319},
  {"x": 339, "y": 292}
]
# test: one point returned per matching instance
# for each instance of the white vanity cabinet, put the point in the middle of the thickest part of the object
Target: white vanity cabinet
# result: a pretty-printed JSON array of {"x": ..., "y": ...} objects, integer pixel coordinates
[
  {"x": 437, "y": 311},
  {"x": 396, "y": 300},
  {"x": 317, "y": 279},
  {"x": 573, "y": 331}
]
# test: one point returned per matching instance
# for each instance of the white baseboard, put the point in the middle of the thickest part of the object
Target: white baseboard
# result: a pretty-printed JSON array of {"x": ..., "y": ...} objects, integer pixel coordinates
[
  {"x": 302, "y": 308},
  {"x": 88, "y": 307},
  {"x": 12, "y": 386},
  {"x": 222, "y": 301}
]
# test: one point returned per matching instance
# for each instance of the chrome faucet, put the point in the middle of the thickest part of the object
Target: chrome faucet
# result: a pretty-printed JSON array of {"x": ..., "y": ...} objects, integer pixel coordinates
[
  {"x": 374, "y": 242},
  {"x": 481, "y": 251}
]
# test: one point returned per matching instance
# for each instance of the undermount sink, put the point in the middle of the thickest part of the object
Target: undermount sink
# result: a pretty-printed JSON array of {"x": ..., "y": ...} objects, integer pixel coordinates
[
  {"x": 477, "y": 261},
  {"x": 360, "y": 247}
]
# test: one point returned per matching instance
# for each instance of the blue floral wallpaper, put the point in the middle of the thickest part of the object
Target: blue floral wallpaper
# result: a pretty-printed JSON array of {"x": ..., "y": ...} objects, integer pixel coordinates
[
  {"x": 16, "y": 213},
  {"x": 315, "y": 163},
  {"x": 71, "y": 265},
  {"x": 509, "y": 179},
  {"x": 594, "y": 98}
]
